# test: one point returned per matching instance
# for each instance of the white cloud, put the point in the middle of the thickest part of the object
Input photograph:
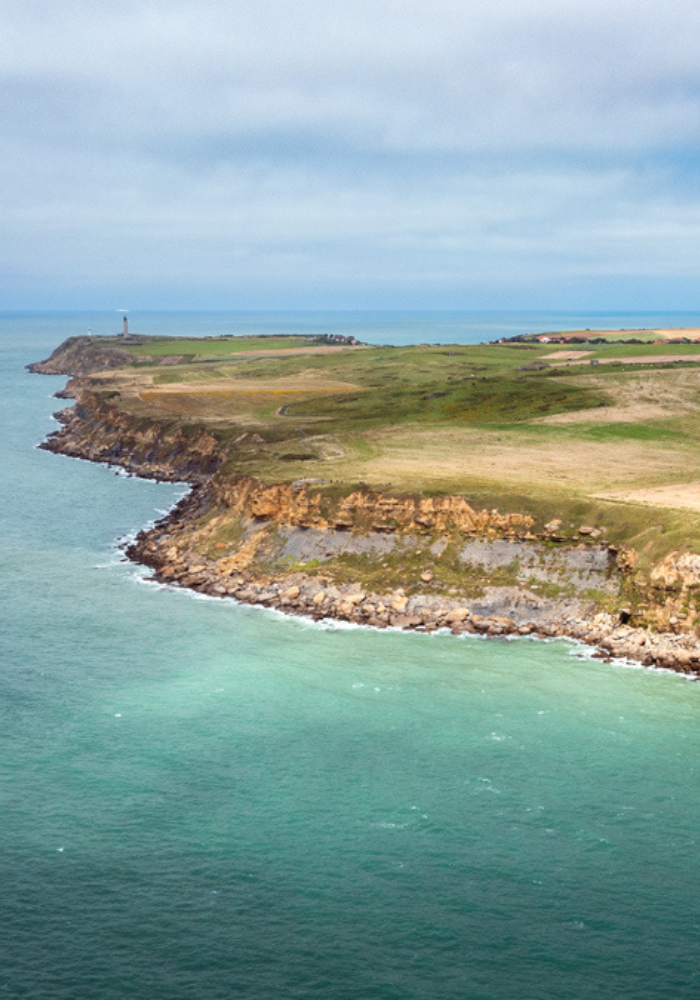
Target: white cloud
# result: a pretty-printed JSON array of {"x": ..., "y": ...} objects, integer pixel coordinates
[{"x": 449, "y": 144}]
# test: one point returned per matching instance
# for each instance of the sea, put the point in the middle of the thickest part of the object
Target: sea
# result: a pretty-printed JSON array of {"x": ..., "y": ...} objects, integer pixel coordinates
[{"x": 205, "y": 800}]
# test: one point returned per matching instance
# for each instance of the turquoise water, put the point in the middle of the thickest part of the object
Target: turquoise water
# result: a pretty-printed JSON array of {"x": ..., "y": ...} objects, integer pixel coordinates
[{"x": 205, "y": 801}]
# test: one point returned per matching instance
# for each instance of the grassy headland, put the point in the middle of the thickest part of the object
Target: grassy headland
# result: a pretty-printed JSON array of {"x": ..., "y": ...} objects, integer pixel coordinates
[{"x": 602, "y": 435}]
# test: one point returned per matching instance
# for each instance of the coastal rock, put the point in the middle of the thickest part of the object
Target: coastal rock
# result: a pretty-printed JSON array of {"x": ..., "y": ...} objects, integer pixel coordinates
[
  {"x": 626, "y": 559},
  {"x": 456, "y": 615},
  {"x": 404, "y": 621}
]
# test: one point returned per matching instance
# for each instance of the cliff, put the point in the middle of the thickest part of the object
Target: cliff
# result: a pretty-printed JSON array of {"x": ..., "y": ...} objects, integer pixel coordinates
[
  {"x": 371, "y": 557},
  {"x": 80, "y": 355},
  {"x": 99, "y": 432}
]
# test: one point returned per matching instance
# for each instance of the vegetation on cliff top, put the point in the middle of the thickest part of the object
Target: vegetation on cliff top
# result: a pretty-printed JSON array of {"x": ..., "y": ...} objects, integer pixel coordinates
[{"x": 526, "y": 427}]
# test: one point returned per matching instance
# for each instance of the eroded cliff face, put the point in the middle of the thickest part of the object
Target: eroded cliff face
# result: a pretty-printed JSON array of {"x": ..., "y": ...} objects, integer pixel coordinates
[
  {"x": 360, "y": 510},
  {"x": 72, "y": 358},
  {"x": 497, "y": 611},
  {"x": 99, "y": 432}
]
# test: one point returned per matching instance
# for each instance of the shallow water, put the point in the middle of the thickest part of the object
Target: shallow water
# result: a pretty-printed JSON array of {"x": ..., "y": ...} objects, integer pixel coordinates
[{"x": 206, "y": 800}]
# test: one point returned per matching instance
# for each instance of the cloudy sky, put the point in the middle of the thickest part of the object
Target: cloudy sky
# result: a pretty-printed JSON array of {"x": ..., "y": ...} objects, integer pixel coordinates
[{"x": 350, "y": 154}]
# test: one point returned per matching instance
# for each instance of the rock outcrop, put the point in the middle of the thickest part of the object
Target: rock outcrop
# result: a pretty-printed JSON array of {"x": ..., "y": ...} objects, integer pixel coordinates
[
  {"x": 99, "y": 432},
  {"x": 361, "y": 510},
  {"x": 72, "y": 358},
  {"x": 321, "y": 598}
]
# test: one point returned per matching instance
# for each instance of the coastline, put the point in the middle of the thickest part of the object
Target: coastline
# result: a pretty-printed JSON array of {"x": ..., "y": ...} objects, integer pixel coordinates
[
  {"x": 304, "y": 596},
  {"x": 500, "y": 613}
]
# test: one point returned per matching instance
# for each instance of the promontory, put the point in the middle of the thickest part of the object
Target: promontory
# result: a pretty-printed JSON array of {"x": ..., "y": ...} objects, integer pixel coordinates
[{"x": 545, "y": 485}]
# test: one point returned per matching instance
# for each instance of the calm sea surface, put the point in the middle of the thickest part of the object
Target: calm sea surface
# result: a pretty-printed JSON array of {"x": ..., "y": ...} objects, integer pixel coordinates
[{"x": 199, "y": 800}]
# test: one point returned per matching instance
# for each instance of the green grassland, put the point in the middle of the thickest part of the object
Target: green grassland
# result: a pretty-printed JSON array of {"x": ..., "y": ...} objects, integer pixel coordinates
[
  {"x": 640, "y": 350},
  {"x": 216, "y": 346},
  {"x": 582, "y": 443}
]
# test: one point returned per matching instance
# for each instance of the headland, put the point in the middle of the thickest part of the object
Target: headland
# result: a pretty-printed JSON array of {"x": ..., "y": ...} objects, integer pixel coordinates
[{"x": 502, "y": 489}]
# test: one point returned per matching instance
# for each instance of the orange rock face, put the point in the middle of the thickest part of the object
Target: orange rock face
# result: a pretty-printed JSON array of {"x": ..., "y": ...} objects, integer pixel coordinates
[{"x": 362, "y": 510}]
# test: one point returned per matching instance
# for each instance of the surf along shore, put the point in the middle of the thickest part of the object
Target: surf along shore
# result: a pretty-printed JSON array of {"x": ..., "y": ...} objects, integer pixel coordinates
[{"x": 364, "y": 484}]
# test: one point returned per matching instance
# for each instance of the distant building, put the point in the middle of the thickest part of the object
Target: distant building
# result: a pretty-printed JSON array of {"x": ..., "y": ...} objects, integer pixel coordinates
[
  {"x": 338, "y": 338},
  {"x": 125, "y": 327}
]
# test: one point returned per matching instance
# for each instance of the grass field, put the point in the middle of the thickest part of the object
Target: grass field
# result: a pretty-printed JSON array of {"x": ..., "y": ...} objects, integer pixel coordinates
[
  {"x": 614, "y": 444},
  {"x": 216, "y": 347}
]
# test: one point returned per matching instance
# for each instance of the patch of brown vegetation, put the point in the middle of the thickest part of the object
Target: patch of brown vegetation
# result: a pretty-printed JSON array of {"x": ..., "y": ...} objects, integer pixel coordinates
[
  {"x": 681, "y": 496},
  {"x": 566, "y": 356},
  {"x": 444, "y": 457},
  {"x": 637, "y": 359}
]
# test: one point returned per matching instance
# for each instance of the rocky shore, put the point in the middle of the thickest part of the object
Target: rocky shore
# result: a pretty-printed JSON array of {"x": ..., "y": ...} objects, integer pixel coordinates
[
  {"x": 96, "y": 432},
  {"x": 319, "y": 598}
]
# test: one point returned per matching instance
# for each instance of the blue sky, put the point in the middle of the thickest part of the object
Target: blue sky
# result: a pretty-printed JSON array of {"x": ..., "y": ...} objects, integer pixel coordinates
[{"x": 325, "y": 154}]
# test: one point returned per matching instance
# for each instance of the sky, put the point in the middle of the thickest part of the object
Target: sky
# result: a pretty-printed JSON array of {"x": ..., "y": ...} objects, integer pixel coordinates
[{"x": 343, "y": 154}]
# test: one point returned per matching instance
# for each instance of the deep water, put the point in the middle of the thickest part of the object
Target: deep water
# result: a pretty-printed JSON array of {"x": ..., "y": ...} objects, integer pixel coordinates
[{"x": 200, "y": 800}]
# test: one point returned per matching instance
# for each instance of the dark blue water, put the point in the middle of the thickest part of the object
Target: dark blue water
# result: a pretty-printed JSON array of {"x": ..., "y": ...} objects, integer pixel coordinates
[
  {"x": 378, "y": 327},
  {"x": 201, "y": 800}
]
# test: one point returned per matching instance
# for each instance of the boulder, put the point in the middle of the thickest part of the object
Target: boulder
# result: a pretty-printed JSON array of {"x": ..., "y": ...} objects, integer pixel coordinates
[
  {"x": 501, "y": 620},
  {"x": 377, "y": 623},
  {"x": 410, "y": 621},
  {"x": 456, "y": 615}
]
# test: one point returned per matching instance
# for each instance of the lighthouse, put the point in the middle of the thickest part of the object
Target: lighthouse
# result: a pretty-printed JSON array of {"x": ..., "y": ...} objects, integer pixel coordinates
[{"x": 125, "y": 327}]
